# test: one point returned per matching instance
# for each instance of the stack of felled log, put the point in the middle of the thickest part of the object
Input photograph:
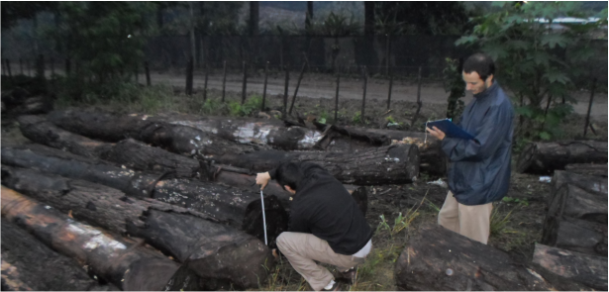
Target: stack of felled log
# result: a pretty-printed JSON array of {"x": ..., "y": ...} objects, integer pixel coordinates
[
  {"x": 167, "y": 202},
  {"x": 574, "y": 241}
]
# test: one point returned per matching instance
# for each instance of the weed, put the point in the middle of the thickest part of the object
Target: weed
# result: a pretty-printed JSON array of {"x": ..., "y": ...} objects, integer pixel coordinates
[
  {"x": 211, "y": 106},
  {"x": 523, "y": 202},
  {"x": 499, "y": 222},
  {"x": 357, "y": 117},
  {"x": 323, "y": 117},
  {"x": 242, "y": 110}
]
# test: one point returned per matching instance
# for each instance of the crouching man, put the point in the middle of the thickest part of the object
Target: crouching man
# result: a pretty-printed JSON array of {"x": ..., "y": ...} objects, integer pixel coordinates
[{"x": 326, "y": 224}]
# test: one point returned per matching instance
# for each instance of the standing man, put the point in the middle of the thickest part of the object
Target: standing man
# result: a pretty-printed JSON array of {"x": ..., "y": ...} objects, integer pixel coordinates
[
  {"x": 480, "y": 170},
  {"x": 326, "y": 224}
]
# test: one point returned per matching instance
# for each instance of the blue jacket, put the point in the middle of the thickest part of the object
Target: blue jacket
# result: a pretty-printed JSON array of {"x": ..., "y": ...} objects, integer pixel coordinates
[{"x": 480, "y": 168}]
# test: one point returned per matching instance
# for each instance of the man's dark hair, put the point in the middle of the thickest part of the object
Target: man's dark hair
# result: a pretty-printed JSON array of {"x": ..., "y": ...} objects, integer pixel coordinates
[
  {"x": 289, "y": 174},
  {"x": 480, "y": 63}
]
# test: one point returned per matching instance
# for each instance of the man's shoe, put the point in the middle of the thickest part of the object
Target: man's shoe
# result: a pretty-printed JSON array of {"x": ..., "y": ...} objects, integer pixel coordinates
[
  {"x": 349, "y": 275},
  {"x": 335, "y": 287}
]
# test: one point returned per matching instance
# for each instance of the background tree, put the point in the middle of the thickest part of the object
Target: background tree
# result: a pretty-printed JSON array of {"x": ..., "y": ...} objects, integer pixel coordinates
[
  {"x": 425, "y": 18},
  {"x": 538, "y": 64},
  {"x": 106, "y": 39}
]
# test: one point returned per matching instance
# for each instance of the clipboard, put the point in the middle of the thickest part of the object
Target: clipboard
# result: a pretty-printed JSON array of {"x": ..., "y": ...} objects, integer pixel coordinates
[{"x": 450, "y": 129}]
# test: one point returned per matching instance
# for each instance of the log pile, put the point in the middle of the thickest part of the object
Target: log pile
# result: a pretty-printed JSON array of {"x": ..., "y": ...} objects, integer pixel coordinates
[
  {"x": 211, "y": 250},
  {"x": 139, "y": 156},
  {"x": 376, "y": 165},
  {"x": 182, "y": 188},
  {"x": 239, "y": 209},
  {"x": 574, "y": 240},
  {"x": 117, "y": 260}
]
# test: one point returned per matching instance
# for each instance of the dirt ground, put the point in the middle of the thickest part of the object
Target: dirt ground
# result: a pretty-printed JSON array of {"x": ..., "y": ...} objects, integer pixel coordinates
[{"x": 517, "y": 220}]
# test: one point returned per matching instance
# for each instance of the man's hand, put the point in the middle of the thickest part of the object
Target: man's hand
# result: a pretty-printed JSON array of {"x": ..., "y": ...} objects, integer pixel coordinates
[
  {"x": 263, "y": 179},
  {"x": 436, "y": 133}
]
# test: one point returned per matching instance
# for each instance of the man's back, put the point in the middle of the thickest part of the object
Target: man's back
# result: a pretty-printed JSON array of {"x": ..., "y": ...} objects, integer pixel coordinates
[{"x": 322, "y": 206}]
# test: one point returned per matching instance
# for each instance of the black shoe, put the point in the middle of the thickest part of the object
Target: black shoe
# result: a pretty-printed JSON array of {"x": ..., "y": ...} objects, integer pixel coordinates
[
  {"x": 348, "y": 276},
  {"x": 335, "y": 287}
]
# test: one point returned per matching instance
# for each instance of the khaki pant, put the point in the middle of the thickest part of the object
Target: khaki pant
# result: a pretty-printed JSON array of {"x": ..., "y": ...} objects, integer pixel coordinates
[
  {"x": 473, "y": 222},
  {"x": 303, "y": 249}
]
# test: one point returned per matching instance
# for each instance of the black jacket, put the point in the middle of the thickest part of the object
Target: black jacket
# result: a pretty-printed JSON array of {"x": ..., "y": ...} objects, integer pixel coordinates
[
  {"x": 323, "y": 207},
  {"x": 480, "y": 169}
]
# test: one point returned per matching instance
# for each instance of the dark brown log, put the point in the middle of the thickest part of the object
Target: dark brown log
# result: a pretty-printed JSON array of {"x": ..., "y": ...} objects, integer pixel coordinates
[
  {"x": 111, "y": 127},
  {"x": 586, "y": 269},
  {"x": 31, "y": 106},
  {"x": 117, "y": 260},
  {"x": 28, "y": 264},
  {"x": 210, "y": 249},
  {"x": 237, "y": 208},
  {"x": 574, "y": 202},
  {"x": 437, "y": 259},
  {"x": 545, "y": 157},
  {"x": 130, "y": 153},
  {"x": 114, "y": 127},
  {"x": 586, "y": 182},
  {"x": 138, "y": 156},
  {"x": 588, "y": 169},
  {"x": 347, "y": 138},
  {"x": 394, "y": 164},
  {"x": 576, "y": 235}
]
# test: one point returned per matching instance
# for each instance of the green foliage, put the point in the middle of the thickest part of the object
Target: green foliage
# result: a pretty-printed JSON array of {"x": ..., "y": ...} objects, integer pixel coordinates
[
  {"x": 323, "y": 117},
  {"x": 211, "y": 107},
  {"x": 104, "y": 40},
  {"x": 454, "y": 85},
  {"x": 241, "y": 110},
  {"x": 538, "y": 63},
  {"x": 499, "y": 222},
  {"x": 357, "y": 117},
  {"x": 423, "y": 18},
  {"x": 522, "y": 202}
]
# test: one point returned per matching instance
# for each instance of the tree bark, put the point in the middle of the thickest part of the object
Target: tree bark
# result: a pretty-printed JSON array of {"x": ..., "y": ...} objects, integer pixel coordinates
[
  {"x": 347, "y": 138},
  {"x": 437, "y": 259},
  {"x": 574, "y": 202},
  {"x": 545, "y": 157},
  {"x": 210, "y": 249},
  {"x": 239, "y": 209},
  {"x": 28, "y": 264},
  {"x": 113, "y": 127},
  {"x": 395, "y": 164},
  {"x": 588, "y": 169},
  {"x": 586, "y": 269},
  {"x": 575, "y": 235},
  {"x": 588, "y": 183},
  {"x": 117, "y": 260}
]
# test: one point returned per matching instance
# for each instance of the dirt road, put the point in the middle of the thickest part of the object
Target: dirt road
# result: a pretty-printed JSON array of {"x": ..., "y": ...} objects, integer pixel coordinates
[{"x": 324, "y": 86}]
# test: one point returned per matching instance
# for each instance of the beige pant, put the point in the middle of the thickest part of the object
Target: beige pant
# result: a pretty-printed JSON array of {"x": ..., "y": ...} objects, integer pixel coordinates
[
  {"x": 473, "y": 222},
  {"x": 303, "y": 249}
]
